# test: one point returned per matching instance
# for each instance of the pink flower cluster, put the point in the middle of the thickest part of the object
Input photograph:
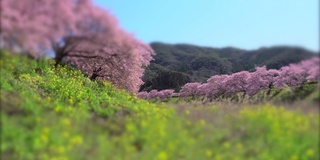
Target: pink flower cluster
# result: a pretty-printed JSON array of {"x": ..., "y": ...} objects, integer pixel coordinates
[
  {"x": 297, "y": 74},
  {"x": 190, "y": 89},
  {"x": 154, "y": 94}
]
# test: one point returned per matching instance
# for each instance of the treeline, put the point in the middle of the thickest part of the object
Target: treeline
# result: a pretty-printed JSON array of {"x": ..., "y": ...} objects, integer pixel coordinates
[
  {"x": 246, "y": 84},
  {"x": 175, "y": 65}
]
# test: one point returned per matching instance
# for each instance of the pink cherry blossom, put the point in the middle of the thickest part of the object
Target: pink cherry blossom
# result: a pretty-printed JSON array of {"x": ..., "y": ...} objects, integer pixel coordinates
[{"x": 81, "y": 34}]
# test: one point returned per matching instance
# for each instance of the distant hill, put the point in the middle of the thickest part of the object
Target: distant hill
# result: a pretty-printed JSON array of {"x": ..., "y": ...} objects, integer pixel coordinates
[{"x": 175, "y": 65}]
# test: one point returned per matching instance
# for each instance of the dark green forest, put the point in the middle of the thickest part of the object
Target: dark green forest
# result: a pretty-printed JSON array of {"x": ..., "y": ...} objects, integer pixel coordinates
[{"x": 175, "y": 65}]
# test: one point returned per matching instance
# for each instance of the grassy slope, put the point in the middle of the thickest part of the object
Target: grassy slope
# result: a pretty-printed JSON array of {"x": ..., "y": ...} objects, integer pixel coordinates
[{"x": 50, "y": 112}]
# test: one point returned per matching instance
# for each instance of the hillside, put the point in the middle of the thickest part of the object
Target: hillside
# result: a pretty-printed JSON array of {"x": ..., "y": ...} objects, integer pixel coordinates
[
  {"x": 57, "y": 113},
  {"x": 175, "y": 65}
]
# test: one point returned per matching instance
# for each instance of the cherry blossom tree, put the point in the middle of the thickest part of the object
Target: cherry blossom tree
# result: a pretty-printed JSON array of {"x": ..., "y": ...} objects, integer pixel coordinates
[
  {"x": 292, "y": 75},
  {"x": 80, "y": 34},
  {"x": 203, "y": 89},
  {"x": 297, "y": 74},
  {"x": 107, "y": 60},
  {"x": 312, "y": 67},
  {"x": 32, "y": 26},
  {"x": 190, "y": 89},
  {"x": 143, "y": 94},
  {"x": 237, "y": 82},
  {"x": 154, "y": 94},
  {"x": 215, "y": 86},
  {"x": 167, "y": 93},
  {"x": 261, "y": 79}
]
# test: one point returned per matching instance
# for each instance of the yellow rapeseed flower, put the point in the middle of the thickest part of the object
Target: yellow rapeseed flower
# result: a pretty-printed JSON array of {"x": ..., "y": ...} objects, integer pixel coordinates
[
  {"x": 310, "y": 152},
  {"x": 60, "y": 149},
  {"x": 65, "y": 122},
  {"x": 44, "y": 138},
  {"x": 65, "y": 134},
  {"x": 218, "y": 157},
  {"x": 77, "y": 140},
  {"x": 226, "y": 145},
  {"x": 294, "y": 157},
  {"x": 44, "y": 156},
  {"x": 239, "y": 146},
  {"x": 45, "y": 130},
  {"x": 208, "y": 153},
  {"x": 162, "y": 156},
  {"x": 202, "y": 122},
  {"x": 71, "y": 101},
  {"x": 57, "y": 109}
]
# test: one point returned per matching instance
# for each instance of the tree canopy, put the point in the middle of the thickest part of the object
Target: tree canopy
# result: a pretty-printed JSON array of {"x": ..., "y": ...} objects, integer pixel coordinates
[{"x": 80, "y": 34}]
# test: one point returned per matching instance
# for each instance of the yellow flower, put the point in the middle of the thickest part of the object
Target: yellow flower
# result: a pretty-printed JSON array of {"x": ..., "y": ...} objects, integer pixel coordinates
[
  {"x": 143, "y": 123},
  {"x": 208, "y": 153},
  {"x": 60, "y": 149},
  {"x": 294, "y": 157},
  {"x": 44, "y": 138},
  {"x": 226, "y": 145},
  {"x": 57, "y": 109},
  {"x": 45, "y": 130},
  {"x": 76, "y": 140},
  {"x": 162, "y": 156},
  {"x": 65, "y": 122},
  {"x": 71, "y": 101},
  {"x": 239, "y": 146},
  {"x": 202, "y": 122},
  {"x": 44, "y": 156},
  {"x": 65, "y": 134},
  {"x": 310, "y": 152},
  {"x": 218, "y": 157}
]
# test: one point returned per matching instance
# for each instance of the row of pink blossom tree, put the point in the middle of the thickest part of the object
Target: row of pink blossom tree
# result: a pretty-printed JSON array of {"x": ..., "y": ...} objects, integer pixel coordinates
[
  {"x": 153, "y": 94},
  {"x": 80, "y": 33},
  {"x": 248, "y": 83}
]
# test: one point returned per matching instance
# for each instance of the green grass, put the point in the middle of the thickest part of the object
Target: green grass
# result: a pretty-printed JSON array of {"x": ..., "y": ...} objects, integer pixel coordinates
[{"x": 56, "y": 113}]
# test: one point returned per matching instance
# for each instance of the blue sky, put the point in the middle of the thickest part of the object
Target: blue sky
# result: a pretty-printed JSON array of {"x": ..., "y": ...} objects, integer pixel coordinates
[{"x": 247, "y": 24}]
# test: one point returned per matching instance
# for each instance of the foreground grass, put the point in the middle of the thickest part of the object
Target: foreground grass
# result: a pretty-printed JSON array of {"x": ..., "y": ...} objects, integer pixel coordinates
[{"x": 50, "y": 112}]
